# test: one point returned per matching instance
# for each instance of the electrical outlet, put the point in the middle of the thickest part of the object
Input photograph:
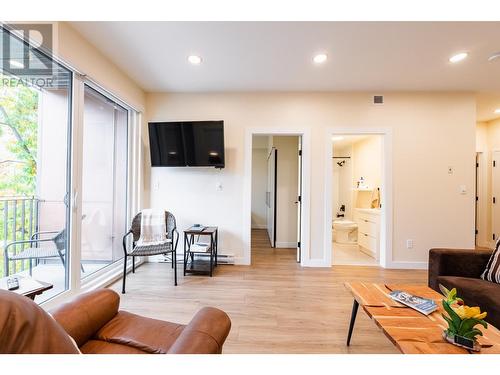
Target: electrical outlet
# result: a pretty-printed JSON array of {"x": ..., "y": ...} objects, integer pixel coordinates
[{"x": 409, "y": 244}]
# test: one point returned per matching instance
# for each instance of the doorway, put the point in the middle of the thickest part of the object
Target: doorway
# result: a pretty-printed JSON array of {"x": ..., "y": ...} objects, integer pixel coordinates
[
  {"x": 277, "y": 195},
  {"x": 356, "y": 208},
  {"x": 358, "y": 222},
  {"x": 483, "y": 205}
]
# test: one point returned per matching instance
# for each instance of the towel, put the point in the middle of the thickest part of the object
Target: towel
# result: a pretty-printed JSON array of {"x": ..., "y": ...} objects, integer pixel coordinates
[
  {"x": 153, "y": 228},
  {"x": 375, "y": 200}
]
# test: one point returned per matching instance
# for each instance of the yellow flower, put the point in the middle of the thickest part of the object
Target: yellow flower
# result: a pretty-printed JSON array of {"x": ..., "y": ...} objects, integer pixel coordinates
[{"x": 466, "y": 312}]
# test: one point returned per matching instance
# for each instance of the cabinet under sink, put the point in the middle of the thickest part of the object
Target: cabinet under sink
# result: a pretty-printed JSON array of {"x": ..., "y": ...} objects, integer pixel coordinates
[{"x": 368, "y": 221}]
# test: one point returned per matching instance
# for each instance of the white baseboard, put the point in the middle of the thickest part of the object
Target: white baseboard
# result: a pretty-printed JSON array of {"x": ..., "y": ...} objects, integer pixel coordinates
[
  {"x": 286, "y": 245},
  {"x": 259, "y": 226},
  {"x": 408, "y": 265},
  {"x": 490, "y": 244},
  {"x": 316, "y": 263},
  {"x": 241, "y": 261}
]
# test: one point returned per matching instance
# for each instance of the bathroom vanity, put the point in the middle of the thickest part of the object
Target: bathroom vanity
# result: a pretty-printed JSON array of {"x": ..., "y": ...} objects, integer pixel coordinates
[{"x": 368, "y": 221}]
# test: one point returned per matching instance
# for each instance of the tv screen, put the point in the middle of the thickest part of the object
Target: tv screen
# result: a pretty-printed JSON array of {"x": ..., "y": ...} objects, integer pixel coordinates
[{"x": 193, "y": 144}]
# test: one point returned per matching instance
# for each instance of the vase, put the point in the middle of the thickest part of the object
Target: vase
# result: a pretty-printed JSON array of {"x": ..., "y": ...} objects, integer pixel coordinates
[{"x": 456, "y": 340}]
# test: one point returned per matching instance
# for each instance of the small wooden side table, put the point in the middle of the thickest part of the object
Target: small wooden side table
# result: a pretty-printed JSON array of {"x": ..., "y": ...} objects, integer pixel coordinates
[
  {"x": 192, "y": 265},
  {"x": 28, "y": 286}
]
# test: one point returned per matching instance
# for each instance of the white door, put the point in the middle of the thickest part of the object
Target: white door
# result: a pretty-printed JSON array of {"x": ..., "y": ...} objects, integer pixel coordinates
[
  {"x": 272, "y": 162},
  {"x": 299, "y": 201},
  {"x": 495, "y": 192}
]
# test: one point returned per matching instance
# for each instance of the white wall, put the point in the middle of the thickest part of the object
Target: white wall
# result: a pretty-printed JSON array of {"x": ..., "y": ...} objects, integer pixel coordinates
[
  {"x": 287, "y": 190},
  {"x": 367, "y": 163},
  {"x": 260, "y": 147},
  {"x": 82, "y": 55},
  {"x": 431, "y": 131}
]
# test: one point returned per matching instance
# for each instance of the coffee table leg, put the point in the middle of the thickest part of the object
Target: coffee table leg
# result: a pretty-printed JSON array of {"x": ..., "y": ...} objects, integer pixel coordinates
[{"x": 355, "y": 305}]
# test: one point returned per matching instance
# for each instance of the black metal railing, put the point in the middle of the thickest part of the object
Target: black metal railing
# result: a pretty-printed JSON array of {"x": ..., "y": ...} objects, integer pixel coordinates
[{"x": 19, "y": 219}]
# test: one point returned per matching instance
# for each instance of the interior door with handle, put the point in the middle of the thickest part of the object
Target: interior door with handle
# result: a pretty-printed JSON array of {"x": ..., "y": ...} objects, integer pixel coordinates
[
  {"x": 495, "y": 193},
  {"x": 299, "y": 201},
  {"x": 272, "y": 172}
]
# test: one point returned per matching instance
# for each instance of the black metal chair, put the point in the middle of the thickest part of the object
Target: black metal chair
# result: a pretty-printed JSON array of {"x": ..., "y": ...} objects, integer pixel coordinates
[{"x": 149, "y": 250}]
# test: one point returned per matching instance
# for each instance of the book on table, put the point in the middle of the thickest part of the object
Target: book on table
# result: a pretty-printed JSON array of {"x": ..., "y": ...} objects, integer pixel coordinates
[
  {"x": 197, "y": 228},
  {"x": 200, "y": 247},
  {"x": 420, "y": 304}
]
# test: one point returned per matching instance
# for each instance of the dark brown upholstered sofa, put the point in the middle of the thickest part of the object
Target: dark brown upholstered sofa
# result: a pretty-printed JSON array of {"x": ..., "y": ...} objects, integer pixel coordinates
[
  {"x": 462, "y": 269},
  {"x": 97, "y": 326}
]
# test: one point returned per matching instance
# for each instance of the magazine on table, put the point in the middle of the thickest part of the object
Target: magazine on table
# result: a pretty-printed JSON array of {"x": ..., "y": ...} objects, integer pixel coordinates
[{"x": 422, "y": 305}]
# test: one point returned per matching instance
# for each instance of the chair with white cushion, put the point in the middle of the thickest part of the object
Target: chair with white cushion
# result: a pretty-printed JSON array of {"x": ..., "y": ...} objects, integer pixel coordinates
[{"x": 169, "y": 247}]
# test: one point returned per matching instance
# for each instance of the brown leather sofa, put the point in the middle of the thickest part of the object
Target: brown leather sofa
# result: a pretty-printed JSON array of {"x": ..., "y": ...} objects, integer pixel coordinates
[
  {"x": 92, "y": 324},
  {"x": 462, "y": 269}
]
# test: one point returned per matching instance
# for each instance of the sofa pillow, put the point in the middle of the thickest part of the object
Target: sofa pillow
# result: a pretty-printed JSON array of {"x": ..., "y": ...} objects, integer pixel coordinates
[{"x": 492, "y": 271}]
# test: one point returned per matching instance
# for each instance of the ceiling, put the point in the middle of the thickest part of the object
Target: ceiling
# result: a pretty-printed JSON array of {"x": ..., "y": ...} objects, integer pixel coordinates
[{"x": 277, "y": 56}]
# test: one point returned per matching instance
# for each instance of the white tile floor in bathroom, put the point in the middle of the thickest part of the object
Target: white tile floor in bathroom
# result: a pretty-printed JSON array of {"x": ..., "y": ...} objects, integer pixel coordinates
[{"x": 344, "y": 254}]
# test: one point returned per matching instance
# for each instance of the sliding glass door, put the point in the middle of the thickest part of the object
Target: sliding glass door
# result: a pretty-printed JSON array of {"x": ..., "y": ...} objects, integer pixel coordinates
[
  {"x": 35, "y": 139},
  {"x": 104, "y": 181},
  {"x": 67, "y": 183}
]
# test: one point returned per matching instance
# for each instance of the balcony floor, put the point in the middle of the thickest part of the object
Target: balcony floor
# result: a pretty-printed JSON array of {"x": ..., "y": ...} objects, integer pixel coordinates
[{"x": 53, "y": 273}]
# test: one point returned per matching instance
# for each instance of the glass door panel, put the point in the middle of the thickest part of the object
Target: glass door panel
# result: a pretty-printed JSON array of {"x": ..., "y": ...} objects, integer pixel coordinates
[
  {"x": 104, "y": 181},
  {"x": 34, "y": 170}
]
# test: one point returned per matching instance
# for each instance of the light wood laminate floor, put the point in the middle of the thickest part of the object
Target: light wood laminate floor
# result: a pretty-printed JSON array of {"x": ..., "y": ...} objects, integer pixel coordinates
[{"x": 275, "y": 305}]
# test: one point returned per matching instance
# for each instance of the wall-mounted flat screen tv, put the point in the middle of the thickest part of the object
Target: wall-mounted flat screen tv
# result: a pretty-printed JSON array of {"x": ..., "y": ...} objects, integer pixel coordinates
[{"x": 187, "y": 144}]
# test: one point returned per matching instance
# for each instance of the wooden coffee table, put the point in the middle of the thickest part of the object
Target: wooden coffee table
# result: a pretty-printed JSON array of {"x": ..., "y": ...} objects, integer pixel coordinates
[
  {"x": 410, "y": 331},
  {"x": 28, "y": 286}
]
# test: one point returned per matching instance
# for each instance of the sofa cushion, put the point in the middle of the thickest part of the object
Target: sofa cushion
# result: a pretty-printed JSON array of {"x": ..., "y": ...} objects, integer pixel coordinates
[
  {"x": 477, "y": 292},
  {"x": 103, "y": 347},
  {"x": 83, "y": 316},
  {"x": 492, "y": 271},
  {"x": 145, "y": 334},
  {"x": 26, "y": 328}
]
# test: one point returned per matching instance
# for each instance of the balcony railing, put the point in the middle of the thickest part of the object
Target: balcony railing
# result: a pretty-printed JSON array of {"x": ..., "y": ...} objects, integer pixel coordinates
[{"x": 19, "y": 219}]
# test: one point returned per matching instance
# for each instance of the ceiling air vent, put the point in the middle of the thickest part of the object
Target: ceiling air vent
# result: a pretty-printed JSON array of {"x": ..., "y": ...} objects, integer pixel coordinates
[{"x": 378, "y": 99}]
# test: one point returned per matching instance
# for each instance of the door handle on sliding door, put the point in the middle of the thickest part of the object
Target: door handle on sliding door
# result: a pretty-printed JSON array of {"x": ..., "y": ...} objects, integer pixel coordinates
[{"x": 75, "y": 200}]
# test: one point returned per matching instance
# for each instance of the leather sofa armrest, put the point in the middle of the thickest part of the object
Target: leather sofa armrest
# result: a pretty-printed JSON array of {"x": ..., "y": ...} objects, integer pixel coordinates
[
  {"x": 456, "y": 262},
  {"x": 205, "y": 334},
  {"x": 83, "y": 316}
]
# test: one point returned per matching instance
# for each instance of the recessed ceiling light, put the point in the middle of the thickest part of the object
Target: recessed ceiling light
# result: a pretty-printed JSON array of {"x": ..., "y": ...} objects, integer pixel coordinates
[
  {"x": 494, "y": 57},
  {"x": 320, "y": 58},
  {"x": 458, "y": 57},
  {"x": 16, "y": 63},
  {"x": 337, "y": 138},
  {"x": 194, "y": 59},
  {"x": 497, "y": 110}
]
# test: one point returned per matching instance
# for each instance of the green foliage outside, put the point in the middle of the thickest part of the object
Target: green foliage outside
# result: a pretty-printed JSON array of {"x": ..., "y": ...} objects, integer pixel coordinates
[
  {"x": 18, "y": 164},
  {"x": 18, "y": 137}
]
